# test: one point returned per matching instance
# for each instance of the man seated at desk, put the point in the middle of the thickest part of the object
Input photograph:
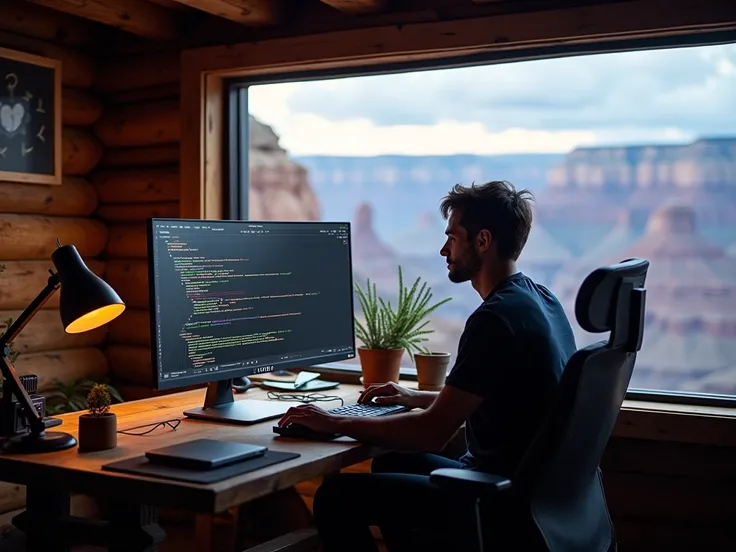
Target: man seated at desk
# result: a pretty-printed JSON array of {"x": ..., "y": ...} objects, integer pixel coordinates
[{"x": 510, "y": 358}]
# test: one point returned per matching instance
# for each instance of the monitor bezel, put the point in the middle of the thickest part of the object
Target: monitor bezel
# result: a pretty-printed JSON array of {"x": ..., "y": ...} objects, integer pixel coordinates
[{"x": 211, "y": 377}]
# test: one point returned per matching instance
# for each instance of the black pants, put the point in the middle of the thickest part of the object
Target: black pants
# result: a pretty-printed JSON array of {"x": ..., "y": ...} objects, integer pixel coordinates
[{"x": 397, "y": 497}]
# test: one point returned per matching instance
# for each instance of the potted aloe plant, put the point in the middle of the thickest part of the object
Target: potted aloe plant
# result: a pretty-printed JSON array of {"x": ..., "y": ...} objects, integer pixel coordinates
[
  {"x": 387, "y": 332},
  {"x": 98, "y": 428}
]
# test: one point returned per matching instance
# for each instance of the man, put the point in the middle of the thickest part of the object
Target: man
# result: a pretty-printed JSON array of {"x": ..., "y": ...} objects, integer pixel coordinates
[{"x": 510, "y": 358}]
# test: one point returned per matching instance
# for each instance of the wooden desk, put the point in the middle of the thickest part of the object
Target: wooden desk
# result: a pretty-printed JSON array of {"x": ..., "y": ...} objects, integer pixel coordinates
[{"x": 132, "y": 524}]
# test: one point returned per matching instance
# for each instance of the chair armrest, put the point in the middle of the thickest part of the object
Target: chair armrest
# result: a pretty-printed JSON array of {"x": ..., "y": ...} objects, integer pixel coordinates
[{"x": 469, "y": 482}]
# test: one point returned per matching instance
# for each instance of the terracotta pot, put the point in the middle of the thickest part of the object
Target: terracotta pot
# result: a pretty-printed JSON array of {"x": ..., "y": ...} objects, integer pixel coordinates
[
  {"x": 98, "y": 432},
  {"x": 431, "y": 370},
  {"x": 380, "y": 365}
]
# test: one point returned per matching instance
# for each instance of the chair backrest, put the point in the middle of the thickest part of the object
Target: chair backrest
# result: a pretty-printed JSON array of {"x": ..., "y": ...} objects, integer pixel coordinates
[{"x": 560, "y": 473}]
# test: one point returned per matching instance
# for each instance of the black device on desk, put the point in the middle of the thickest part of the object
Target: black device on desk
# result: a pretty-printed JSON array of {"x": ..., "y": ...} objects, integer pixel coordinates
[
  {"x": 363, "y": 410},
  {"x": 236, "y": 298},
  {"x": 204, "y": 454}
]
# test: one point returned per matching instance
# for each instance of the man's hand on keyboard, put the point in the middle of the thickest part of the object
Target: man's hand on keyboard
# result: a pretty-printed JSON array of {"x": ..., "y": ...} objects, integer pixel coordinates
[
  {"x": 391, "y": 393},
  {"x": 311, "y": 416}
]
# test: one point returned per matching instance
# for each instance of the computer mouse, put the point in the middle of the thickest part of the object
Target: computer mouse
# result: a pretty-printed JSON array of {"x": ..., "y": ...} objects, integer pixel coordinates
[{"x": 241, "y": 385}]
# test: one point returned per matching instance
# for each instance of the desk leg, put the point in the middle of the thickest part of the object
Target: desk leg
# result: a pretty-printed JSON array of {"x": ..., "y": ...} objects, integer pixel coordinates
[
  {"x": 45, "y": 508},
  {"x": 134, "y": 528}
]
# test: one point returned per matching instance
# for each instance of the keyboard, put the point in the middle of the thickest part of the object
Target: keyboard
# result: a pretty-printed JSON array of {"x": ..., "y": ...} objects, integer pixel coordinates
[{"x": 362, "y": 410}]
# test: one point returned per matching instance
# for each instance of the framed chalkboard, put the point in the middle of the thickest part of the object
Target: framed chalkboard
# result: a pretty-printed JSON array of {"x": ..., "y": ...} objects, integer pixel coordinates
[{"x": 30, "y": 118}]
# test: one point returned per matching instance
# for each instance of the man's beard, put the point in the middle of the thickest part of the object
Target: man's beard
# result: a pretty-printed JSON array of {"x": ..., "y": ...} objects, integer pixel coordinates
[{"x": 464, "y": 271}]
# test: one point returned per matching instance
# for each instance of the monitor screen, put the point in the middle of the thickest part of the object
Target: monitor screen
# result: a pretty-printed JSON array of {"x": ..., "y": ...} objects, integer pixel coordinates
[{"x": 237, "y": 298}]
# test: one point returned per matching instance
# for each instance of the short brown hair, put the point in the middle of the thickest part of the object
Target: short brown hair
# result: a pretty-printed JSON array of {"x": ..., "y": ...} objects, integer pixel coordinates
[{"x": 497, "y": 207}]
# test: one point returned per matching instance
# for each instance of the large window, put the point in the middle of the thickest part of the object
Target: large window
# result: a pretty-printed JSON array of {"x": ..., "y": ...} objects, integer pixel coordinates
[{"x": 629, "y": 154}]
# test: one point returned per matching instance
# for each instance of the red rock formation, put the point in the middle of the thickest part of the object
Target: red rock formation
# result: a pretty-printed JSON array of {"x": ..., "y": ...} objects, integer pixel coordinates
[
  {"x": 366, "y": 245},
  {"x": 279, "y": 187}
]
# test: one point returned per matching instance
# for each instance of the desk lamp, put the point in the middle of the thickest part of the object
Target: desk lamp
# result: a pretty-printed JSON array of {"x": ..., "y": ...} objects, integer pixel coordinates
[{"x": 86, "y": 302}]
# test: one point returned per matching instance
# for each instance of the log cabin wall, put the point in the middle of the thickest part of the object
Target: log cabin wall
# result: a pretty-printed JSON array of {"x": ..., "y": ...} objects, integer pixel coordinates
[
  {"x": 137, "y": 178},
  {"x": 33, "y": 216}
]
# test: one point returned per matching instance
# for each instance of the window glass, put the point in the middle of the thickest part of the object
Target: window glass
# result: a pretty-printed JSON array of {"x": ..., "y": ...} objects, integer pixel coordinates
[{"x": 628, "y": 155}]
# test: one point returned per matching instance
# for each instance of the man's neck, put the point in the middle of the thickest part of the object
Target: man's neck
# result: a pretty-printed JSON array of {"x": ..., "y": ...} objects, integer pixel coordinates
[{"x": 489, "y": 277}]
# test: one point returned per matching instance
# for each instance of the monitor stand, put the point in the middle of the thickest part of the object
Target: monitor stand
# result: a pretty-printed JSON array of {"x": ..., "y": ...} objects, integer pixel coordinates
[{"x": 220, "y": 406}]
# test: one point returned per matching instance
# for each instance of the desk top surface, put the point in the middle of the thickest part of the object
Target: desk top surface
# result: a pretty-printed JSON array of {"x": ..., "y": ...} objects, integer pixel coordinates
[{"x": 81, "y": 472}]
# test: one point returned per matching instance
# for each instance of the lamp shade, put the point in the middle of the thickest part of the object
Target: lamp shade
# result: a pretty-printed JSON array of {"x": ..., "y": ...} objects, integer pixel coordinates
[{"x": 86, "y": 301}]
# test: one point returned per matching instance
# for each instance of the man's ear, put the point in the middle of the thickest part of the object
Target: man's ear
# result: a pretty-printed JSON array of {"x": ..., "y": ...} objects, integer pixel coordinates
[{"x": 484, "y": 241}]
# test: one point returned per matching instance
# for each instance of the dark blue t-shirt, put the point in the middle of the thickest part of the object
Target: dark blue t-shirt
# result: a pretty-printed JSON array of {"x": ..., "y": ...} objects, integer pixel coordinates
[{"x": 512, "y": 353}]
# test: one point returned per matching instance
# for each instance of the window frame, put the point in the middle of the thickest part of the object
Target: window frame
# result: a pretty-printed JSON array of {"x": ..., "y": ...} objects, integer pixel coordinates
[{"x": 235, "y": 91}]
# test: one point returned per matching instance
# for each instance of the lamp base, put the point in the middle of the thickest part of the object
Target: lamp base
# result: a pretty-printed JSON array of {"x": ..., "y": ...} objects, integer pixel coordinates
[{"x": 52, "y": 441}]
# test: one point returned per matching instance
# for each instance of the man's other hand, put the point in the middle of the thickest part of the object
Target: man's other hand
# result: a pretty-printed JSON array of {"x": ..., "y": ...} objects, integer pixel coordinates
[{"x": 391, "y": 393}]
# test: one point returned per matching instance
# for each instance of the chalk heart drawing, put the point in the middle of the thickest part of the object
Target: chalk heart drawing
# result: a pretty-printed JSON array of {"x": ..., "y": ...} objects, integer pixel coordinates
[{"x": 11, "y": 117}]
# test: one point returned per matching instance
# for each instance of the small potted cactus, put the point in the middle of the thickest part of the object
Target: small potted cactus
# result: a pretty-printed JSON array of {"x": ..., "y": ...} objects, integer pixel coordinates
[{"x": 98, "y": 429}]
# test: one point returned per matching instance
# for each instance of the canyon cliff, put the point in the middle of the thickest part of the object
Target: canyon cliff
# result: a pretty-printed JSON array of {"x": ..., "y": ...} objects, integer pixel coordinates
[{"x": 279, "y": 187}]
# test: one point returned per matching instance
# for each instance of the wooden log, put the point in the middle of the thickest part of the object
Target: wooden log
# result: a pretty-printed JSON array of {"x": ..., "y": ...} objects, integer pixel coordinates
[
  {"x": 137, "y": 72},
  {"x": 34, "y": 236},
  {"x": 245, "y": 12},
  {"x": 75, "y": 197},
  {"x": 131, "y": 212},
  {"x": 45, "y": 332},
  {"x": 147, "y": 156},
  {"x": 12, "y": 497},
  {"x": 80, "y": 151},
  {"x": 62, "y": 365},
  {"x": 137, "y": 185},
  {"x": 127, "y": 241},
  {"x": 77, "y": 69},
  {"x": 144, "y": 124},
  {"x": 25, "y": 19},
  {"x": 168, "y": 91},
  {"x": 79, "y": 108},
  {"x": 133, "y": 327},
  {"x": 134, "y": 16},
  {"x": 130, "y": 280},
  {"x": 357, "y": 7},
  {"x": 131, "y": 364},
  {"x": 22, "y": 281}
]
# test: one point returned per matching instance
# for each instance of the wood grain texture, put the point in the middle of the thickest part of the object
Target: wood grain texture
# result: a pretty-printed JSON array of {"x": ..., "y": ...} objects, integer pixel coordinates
[
  {"x": 138, "y": 72},
  {"x": 79, "y": 108},
  {"x": 132, "y": 212},
  {"x": 130, "y": 279},
  {"x": 145, "y": 124},
  {"x": 62, "y": 365},
  {"x": 134, "y": 16},
  {"x": 25, "y": 19},
  {"x": 34, "y": 236},
  {"x": 130, "y": 364},
  {"x": 45, "y": 332},
  {"x": 133, "y": 327},
  {"x": 77, "y": 69},
  {"x": 75, "y": 197},
  {"x": 245, "y": 12},
  {"x": 166, "y": 91},
  {"x": 80, "y": 151},
  {"x": 127, "y": 241},
  {"x": 357, "y": 7},
  {"x": 144, "y": 185},
  {"x": 146, "y": 156},
  {"x": 22, "y": 281}
]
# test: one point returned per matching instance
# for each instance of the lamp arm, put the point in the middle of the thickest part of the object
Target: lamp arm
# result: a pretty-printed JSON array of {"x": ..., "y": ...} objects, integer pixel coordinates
[
  {"x": 12, "y": 382},
  {"x": 16, "y": 327}
]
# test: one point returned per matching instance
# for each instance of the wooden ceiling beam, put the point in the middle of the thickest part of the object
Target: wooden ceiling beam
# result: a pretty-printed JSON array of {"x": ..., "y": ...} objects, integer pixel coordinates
[
  {"x": 245, "y": 12},
  {"x": 357, "y": 7},
  {"x": 134, "y": 16}
]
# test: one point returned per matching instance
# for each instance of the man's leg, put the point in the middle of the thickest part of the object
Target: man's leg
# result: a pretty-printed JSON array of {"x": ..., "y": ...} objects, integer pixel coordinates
[{"x": 403, "y": 504}]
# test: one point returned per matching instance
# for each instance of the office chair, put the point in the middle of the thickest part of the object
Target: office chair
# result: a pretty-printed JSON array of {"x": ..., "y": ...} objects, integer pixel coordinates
[{"x": 555, "y": 501}]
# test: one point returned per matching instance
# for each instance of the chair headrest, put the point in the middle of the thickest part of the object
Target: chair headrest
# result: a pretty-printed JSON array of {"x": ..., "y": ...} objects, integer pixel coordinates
[{"x": 600, "y": 301}]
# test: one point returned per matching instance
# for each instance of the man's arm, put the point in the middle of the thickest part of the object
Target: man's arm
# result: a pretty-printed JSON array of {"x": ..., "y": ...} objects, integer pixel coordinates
[{"x": 428, "y": 430}]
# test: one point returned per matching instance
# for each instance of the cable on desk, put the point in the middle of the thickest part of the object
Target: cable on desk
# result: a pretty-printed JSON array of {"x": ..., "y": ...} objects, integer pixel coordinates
[{"x": 305, "y": 398}]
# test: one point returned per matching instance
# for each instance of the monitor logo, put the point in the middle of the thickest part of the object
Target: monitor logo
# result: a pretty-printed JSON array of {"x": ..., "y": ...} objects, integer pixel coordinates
[{"x": 262, "y": 369}]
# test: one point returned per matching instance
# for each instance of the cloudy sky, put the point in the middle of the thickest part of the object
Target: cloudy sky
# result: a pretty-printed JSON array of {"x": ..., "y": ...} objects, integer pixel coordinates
[{"x": 547, "y": 106}]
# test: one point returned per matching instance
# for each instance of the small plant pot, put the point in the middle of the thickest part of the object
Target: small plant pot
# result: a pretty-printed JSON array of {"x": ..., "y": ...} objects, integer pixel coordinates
[
  {"x": 431, "y": 370},
  {"x": 380, "y": 365},
  {"x": 98, "y": 432}
]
